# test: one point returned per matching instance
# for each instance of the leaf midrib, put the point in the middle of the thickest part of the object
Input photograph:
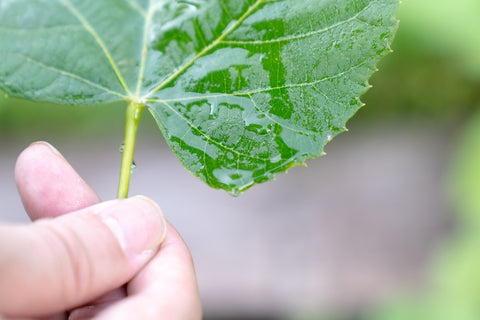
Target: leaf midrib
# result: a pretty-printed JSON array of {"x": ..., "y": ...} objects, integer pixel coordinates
[{"x": 148, "y": 18}]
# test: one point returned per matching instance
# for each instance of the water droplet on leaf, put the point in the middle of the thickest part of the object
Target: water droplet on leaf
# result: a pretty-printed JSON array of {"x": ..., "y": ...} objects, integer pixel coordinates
[
  {"x": 213, "y": 111},
  {"x": 235, "y": 192},
  {"x": 276, "y": 158},
  {"x": 133, "y": 167},
  {"x": 121, "y": 148}
]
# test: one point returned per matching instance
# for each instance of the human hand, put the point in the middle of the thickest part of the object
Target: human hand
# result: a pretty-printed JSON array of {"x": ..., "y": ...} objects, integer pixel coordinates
[{"x": 118, "y": 259}]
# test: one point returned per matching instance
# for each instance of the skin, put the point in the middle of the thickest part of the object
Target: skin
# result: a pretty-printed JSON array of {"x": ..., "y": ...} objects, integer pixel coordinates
[{"x": 86, "y": 259}]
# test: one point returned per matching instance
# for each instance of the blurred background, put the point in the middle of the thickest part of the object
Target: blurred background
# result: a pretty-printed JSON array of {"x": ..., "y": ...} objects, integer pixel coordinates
[{"x": 386, "y": 226}]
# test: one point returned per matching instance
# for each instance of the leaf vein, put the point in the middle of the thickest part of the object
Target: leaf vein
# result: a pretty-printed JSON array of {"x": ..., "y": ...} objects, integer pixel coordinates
[
  {"x": 206, "y": 49},
  {"x": 137, "y": 8},
  {"x": 299, "y": 36},
  {"x": 315, "y": 88},
  {"x": 260, "y": 90},
  {"x": 144, "y": 52},
  {"x": 91, "y": 30},
  {"x": 64, "y": 73},
  {"x": 267, "y": 115},
  {"x": 207, "y": 137}
]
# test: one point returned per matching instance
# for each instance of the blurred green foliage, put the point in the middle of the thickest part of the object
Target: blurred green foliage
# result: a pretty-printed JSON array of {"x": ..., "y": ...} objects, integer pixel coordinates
[
  {"x": 22, "y": 118},
  {"x": 454, "y": 293},
  {"x": 446, "y": 35},
  {"x": 447, "y": 28},
  {"x": 434, "y": 73}
]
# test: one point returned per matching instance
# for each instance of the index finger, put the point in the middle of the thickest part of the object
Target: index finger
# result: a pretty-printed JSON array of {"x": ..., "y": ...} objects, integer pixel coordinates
[{"x": 48, "y": 185}]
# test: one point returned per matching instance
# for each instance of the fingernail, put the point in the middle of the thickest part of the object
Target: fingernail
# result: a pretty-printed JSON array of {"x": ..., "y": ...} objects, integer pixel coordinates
[
  {"x": 48, "y": 145},
  {"x": 137, "y": 223}
]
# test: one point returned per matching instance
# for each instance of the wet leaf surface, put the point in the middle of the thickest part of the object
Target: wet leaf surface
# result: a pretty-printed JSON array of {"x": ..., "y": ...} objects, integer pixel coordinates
[{"x": 241, "y": 89}]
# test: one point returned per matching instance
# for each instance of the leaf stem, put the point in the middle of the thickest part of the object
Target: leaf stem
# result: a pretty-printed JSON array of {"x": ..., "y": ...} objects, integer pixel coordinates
[{"x": 134, "y": 113}]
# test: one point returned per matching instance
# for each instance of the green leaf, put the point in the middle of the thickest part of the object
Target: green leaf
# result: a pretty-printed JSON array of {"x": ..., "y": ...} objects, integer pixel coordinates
[{"x": 241, "y": 89}]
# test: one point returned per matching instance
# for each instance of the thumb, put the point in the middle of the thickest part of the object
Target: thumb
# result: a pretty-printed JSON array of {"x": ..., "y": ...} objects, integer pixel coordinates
[{"x": 57, "y": 264}]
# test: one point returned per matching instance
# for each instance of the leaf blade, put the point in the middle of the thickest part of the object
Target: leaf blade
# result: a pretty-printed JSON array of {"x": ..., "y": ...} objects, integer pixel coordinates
[
  {"x": 271, "y": 150},
  {"x": 241, "y": 89},
  {"x": 72, "y": 48},
  {"x": 86, "y": 25}
]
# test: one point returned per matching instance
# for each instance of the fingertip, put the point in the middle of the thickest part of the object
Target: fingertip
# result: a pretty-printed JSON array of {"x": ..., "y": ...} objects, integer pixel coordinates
[
  {"x": 156, "y": 208},
  {"x": 45, "y": 144},
  {"x": 48, "y": 185},
  {"x": 137, "y": 223},
  {"x": 34, "y": 153}
]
